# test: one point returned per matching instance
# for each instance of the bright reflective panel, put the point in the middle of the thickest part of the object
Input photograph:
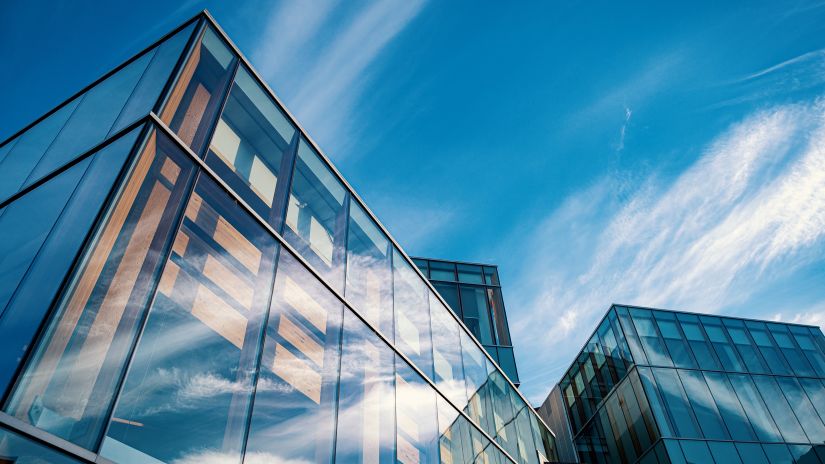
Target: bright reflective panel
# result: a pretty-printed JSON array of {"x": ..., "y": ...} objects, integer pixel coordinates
[
  {"x": 316, "y": 217},
  {"x": 416, "y": 422},
  {"x": 249, "y": 142},
  {"x": 293, "y": 413},
  {"x": 454, "y": 443},
  {"x": 476, "y": 315},
  {"x": 447, "y": 364},
  {"x": 68, "y": 386},
  {"x": 189, "y": 385},
  {"x": 369, "y": 270},
  {"x": 366, "y": 404},
  {"x": 412, "y": 314},
  {"x": 192, "y": 106}
]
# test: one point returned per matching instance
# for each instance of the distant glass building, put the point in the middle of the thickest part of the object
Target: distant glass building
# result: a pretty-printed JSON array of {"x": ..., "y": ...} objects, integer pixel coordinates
[
  {"x": 655, "y": 386},
  {"x": 186, "y": 278},
  {"x": 473, "y": 292}
]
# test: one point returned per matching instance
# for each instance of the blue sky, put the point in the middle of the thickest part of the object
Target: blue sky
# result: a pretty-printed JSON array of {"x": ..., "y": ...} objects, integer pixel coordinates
[{"x": 599, "y": 152}]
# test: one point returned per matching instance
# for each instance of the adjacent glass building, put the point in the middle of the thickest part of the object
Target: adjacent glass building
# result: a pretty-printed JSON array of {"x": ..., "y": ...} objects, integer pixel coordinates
[
  {"x": 473, "y": 292},
  {"x": 655, "y": 386},
  {"x": 186, "y": 278}
]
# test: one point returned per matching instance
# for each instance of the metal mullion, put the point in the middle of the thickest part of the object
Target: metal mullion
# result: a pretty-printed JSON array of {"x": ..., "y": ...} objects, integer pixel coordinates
[
  {"x": 353, "y": 193},
  {"x": 102, "y": 78},
  {"x": 205, "y": 169}
]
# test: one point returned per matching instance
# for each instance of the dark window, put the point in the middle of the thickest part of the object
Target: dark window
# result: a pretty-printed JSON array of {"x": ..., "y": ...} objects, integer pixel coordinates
[
  {"x": 470, "y": 274},
  {"x": 442, "y": 271}
]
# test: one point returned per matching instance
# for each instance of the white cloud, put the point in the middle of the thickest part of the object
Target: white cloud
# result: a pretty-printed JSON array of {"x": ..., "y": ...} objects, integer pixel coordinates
[
  {"x": 322, "y": 55},
  {"x": 750, "y": 211}
]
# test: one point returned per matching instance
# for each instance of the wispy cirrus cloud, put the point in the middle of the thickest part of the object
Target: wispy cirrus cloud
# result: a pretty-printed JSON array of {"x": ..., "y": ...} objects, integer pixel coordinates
[
  {"x": 322, "y": 56},
  {"x": 748, "y": 213}
]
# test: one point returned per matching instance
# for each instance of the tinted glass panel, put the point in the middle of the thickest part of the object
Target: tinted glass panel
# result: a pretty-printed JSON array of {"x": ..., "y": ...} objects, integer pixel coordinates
[
  {"x": 747, "y": 351},
  {"x": 475, "y": 372},
  {"x": 496, "y": 303},
  {"x": 721, "y": 343},
  {"x": 450, "y": 294},
  {"x": 442, "y": 271},
  {"x": 786, "y": 344},
  {"x": 780, "y": 409},
  {"x": 677, "y": 403},
  {"x": 249, "y": 142},
  {"x": 366, "y": 406},
  {"x": 633, "y": 341},
  {"x": 68, "y": 386},
  {"x": 316, "y": 218},
  {"x": 816, "y": 393},
  {"x": 20, "y": 450},
  {"x": 369, "y": 274},
  {"x": 656, "y": 403},
  {"x": 696, "y": 452},
  {"x": 29, "y": 148},
  {"x": 803, "y": 409},
  {"x": 412, "y": 314},
  {"x": 676, "y": 345},
  {"x": 297, "y": 386},
  {"x": 751, "y": 453},
  {"x": 416, "y": 423},
  {"x": 476, "y": 315},
  {"x": 699, "y": 345},
  {"x": 770, "y": 352},
  {"x": 755, "y": 408},
  {"x": 703, "y": 405},
  {"x": 490, "y": 276},
  {"x": 507, "y": 361},
  {"x": 806, "y": 342},
  {"x": 469, "y": 273},
  {"x": 646, "y": 328},
  {"x": 724, "y": 452},
  {"x": 447, "y": 364},
  {"x": 196, "y": 356},
  {"x": 778, "y": 454},
  {"x": 40, "y": 236},
  {"x": 192, "y": 106},
  {"x": 729, "y": 407}
]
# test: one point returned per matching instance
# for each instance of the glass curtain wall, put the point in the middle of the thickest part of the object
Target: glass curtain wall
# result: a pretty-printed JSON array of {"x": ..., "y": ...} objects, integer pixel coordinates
[
  {"x": 181, "y": 335},
  {"x": 473, "y": 292},
  {"x": 761, "y": 384}
]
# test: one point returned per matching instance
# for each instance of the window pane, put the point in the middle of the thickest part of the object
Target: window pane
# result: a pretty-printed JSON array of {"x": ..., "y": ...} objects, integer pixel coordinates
[
  {"x": 297, "y": 386},
  {"x": 447, "y": 364},
  {"x": 315, "y": 218},
  {"x": 724, "y": 452},
  {"x": 40, "y": 236},
  {"x": 816, "y": 393},
  {"x": 703, "y": 405},
  {"x": 469, "y": 273},
  {"x": 68, "y": 386},
  {"x": 786, "y": 344},
  {"x": 654, "y": 348},
  {"x": 491, "y": 276},
  {"x": 677, "y": 403},
  {"x": 779, "y": 408},
  {"x": 507, "y": 361},
  {"x": 528, "y": 449},
  {"x": 147, "y": 91},
  {"x": 369, "y": 274},
  {"x": 632, "y": 338},
  {"x": 196, "y": 356},
  {"x": 804, "y": 454},
  {"x": 496, "y": 303},
  {"x": 475, "y": 372},
  {"x": 674, "y": 451},
  {"x": 748, "y": 352},
  {"x": 803, "y": 409},
  {"x": 366, "y": 407},
  {"x": 656, "y": 405},
  {"x": 29, "y": 148},
  {"x": 193, "y": 104},
  {"x": 416, "y": 424},
  {"x": 450, "y": 294},
  {"x": 503, "y": 414},
  {"x": 696, "y": 452},
  {"x": 778, "y": 454},
  {"x": 17, "y": 449},
  {"x": 729, "y": 406},
  {"x": 676, "y": 345},
  {"x": 721, "y": 344},
  {"x": 770, "y": 352},
  {"x": 807, "y": 343},
  {"x": 442, "y": 271},
  {"x": 751, "y": 453},
  {"x": 699, "y": 345},
  {"x": 412, "y": 314},
  {"x": 454, "y": 444},
  {"x": 249, "y": 143},
  {"x": 476, "y": 315},
  {"x": 422, "y": 266},
  {"x": 754, "y": 407}
]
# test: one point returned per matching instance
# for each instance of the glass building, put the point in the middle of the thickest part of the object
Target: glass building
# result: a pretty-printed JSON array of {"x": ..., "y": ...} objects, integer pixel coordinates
[
  {"x": 187, "y": 278},
  {"x": 473, "y": 292},
  {"x": 655, "y": 386}
]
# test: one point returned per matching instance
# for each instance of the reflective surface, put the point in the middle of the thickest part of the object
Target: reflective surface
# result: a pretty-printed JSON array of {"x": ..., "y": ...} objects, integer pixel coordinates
[{"x": 736, "y": 398}]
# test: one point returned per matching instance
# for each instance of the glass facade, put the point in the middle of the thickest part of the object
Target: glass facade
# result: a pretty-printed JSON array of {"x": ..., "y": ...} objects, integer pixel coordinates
[
  {"x": 654, "y": 386},
  {"x": 193, "y": 281},
  {"x": 473, "y": 293}
]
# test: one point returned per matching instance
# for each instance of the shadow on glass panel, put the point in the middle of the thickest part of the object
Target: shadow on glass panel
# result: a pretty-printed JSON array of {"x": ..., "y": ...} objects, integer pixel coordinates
[
  {"x": 15, "y": 448},
  {"x": 68, "y": 386}
]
